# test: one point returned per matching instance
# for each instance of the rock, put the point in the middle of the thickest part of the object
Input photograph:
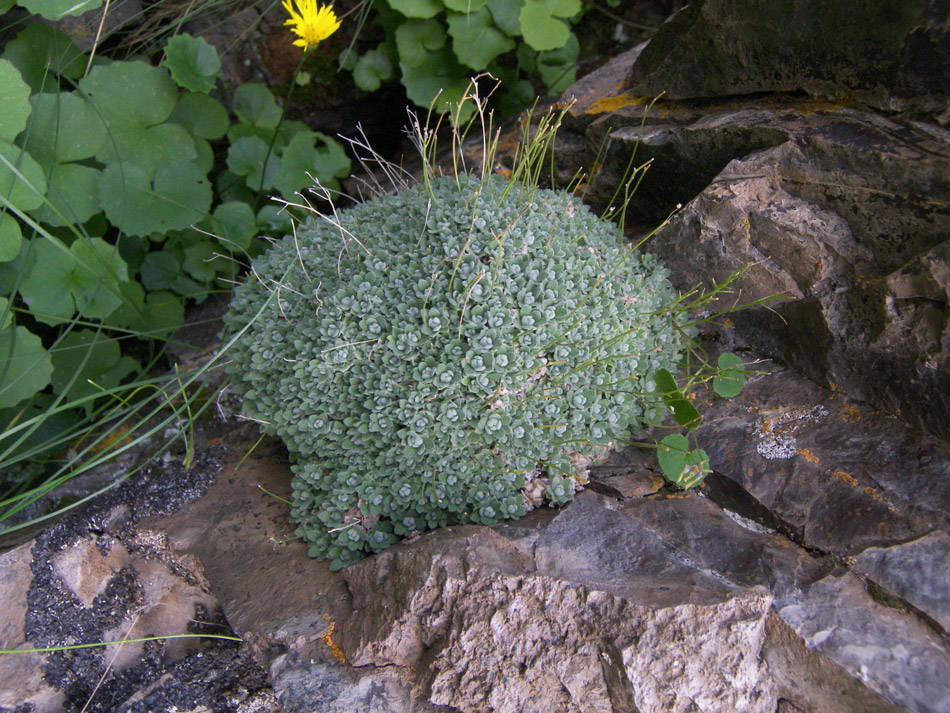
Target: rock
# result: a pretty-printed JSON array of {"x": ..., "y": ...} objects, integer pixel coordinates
[
  {"x": 833, "y": 208},
  {"x": 883, "y": 53}
]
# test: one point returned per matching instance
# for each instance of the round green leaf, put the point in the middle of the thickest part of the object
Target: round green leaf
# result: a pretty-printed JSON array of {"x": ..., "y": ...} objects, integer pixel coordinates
[
  {"x": 559, "y": 67},
  {"x": 417, "y": 8},
  {"x": 179, "y": 197},
  {"x": 130, "y": 94},
  {"x": 233, "y": 223},
  {"x": 63, "y": 127},
  {"x": 193, "y": 62},
  {"x": 58, "y": 9},
  {"x": 371, "y": 70},
  {"x": 505, "y": 14},
  {"x": 254, "y": 104},
  {"x": 201, "y": 115},
  {"x": 21, "y": 178},
  {"x": 98, "y": 273},
  {"x": 303, "y": 161},
  {"x": 72, "y": 194},
  {"x": 14, "y": 101},
  {"x": 47, "y": 288},
  {"x": 475, "y": 39},
  {"x": 687, "y": 468},
  {"x": 414, "y": 38},
  {"x": 731, "y": 376},
  {"x": 82, "y": 362},
  {"x": 159, "y": 270},
  {"x": 10, "y": 237},
  {"x": 41, "y": 52},
  {"x": 147, "y": 147},
  {"x": 684, "y": 413},
  {"x": 541, "y": 28},
  {"x": 246, "y": 155},
  {"x": 25, "y": 366},
  {"x": 439, "y": 75},
  {"x": 465, "y": 6}
]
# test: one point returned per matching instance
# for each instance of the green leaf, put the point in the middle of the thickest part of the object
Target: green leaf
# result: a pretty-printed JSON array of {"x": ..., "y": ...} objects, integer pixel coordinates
[
  {"x": 159, "y": 270},
  {"x": 40, "y": 52},
  {"x": 193, "y": 62},
  {"x": 246, "y": 155},
  {"x": 464, "y": 6},
  {"x": 254, "y": 105},
  {"x": 58, "y": 9},
  {"x": 687, "y": 468},
  {"x": 541, "y": 23},
  {"x": 439, "y": 75},
  {"x": 99, "y": 271},
  {"x": 25, "y": 366},
  {"x": 6, "y": 314},
  {"x": 475, "y": 40},
  {"x": 130, "y": 94},
  {"x": 179, "y": 197},
  {"x": 10, "y": 237},
  {"x": 21, "y": 178},
  {"x": 201, "y": 115},
  {"x": 417, "y": 8},
  {"x": 234, "y": 224},
  {"x": 164, "y": 312},
  {"x": 72, "y": 193},
  {"x": 47, "y": 288},
  {"x": 415, "y": 37},
  {"x": 63, "y": 127},
  {"x": 14, "y": 101},
  {"x": 148, "y": 148},
  {"x": 371, "y": 70},
  {"x": 731, "y": 377},
  {"x": 506, "y": 14},
  {"x": 559, "y": 67},
  {"x": 85, "y": 363},
  {"x": 684, "y": 413},
  {"x": 302, "y": 159}
]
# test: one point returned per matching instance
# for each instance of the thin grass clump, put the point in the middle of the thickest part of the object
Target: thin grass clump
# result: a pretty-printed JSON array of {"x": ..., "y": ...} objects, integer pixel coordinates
[{"x": 459, "y": 351}]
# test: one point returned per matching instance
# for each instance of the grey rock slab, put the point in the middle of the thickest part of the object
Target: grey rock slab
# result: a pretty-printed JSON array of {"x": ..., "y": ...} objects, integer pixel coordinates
[
  {"x": 894, "y": 654},
  {"x": 887, "y": 54},
  {"x": 917, "y": 571}
]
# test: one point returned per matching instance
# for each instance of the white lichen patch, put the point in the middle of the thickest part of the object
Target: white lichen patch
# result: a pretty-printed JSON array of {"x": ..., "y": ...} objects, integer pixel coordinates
[{"x": 776, "y": 430}]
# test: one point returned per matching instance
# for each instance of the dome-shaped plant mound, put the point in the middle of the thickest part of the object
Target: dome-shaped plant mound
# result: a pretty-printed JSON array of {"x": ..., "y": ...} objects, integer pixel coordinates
[{"x": 447, "y": 354}]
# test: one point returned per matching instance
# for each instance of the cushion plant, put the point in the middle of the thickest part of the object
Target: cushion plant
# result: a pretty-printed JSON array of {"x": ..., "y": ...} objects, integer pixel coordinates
[{"x": 459, "y": 351}]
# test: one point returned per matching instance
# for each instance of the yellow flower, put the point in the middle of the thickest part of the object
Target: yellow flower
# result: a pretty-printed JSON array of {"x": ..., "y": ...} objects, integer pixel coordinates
[{"x": 313, "y": 24}]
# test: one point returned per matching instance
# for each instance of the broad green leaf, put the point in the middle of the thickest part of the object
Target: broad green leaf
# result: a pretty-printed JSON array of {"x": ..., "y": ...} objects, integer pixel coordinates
[
  {"x": 14, "y": 101},
  {"x": 417, "y": 8},
  {"x": 6, "y": 314},
  {"x": 201, "y": 261},
  {"x": 25, "y": 366},
  {"x": 63, "y": 127},
  {"x": 159, "y": 270},
  {"x": 506, "y": 14},
  {"x": 414, "y": 38},
  {"x": 684, "y": 413},
  {"x": 440, "y": 72},
  {"x": 201, "y": 115},
  {"x": 254, "y": 104},
  {"x": 10, "y": 237},
  {"x": 40, "y": 52},
  {"x": 179, "y": 197},
  {"x": 5, "y": 5},
  {"x": 72, "y": 193},
  {"x": 731, "y": 376},
  {"x": 475, "y": 40},
  {"x": 246, "y": 155},
  {"x": 48, "y": 287},
  {"x": 371, "y": 70},
  {"x": 21, "y": 178},
  {"x": 465, "y": 6},
  {"x": 687, "y": 468},
  {"x": 193, "y": 62},
  {"x": 303, "y": 160},
  {"x": 541, "y": 23},
  {"x": 233, "y": 223},
  {"x": 164, "y": 312},
  {"x": 559, "y": 67},
  {"x": 58, "y": 9},
  {"x": 81, "y": 357},
  {"x": 204, "y": 158},
  {"x": 148, "y": 148},
  {"x": 99, "y": 271},
  {"x": 130, "y": 94}
]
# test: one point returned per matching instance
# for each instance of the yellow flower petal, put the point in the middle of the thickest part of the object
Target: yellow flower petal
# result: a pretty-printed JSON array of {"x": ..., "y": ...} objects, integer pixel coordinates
[{"x": 312, "y": 23}]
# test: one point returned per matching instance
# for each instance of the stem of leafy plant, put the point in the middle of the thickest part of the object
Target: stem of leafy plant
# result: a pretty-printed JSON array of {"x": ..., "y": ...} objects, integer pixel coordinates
[{"x": 280, "y": 122}]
